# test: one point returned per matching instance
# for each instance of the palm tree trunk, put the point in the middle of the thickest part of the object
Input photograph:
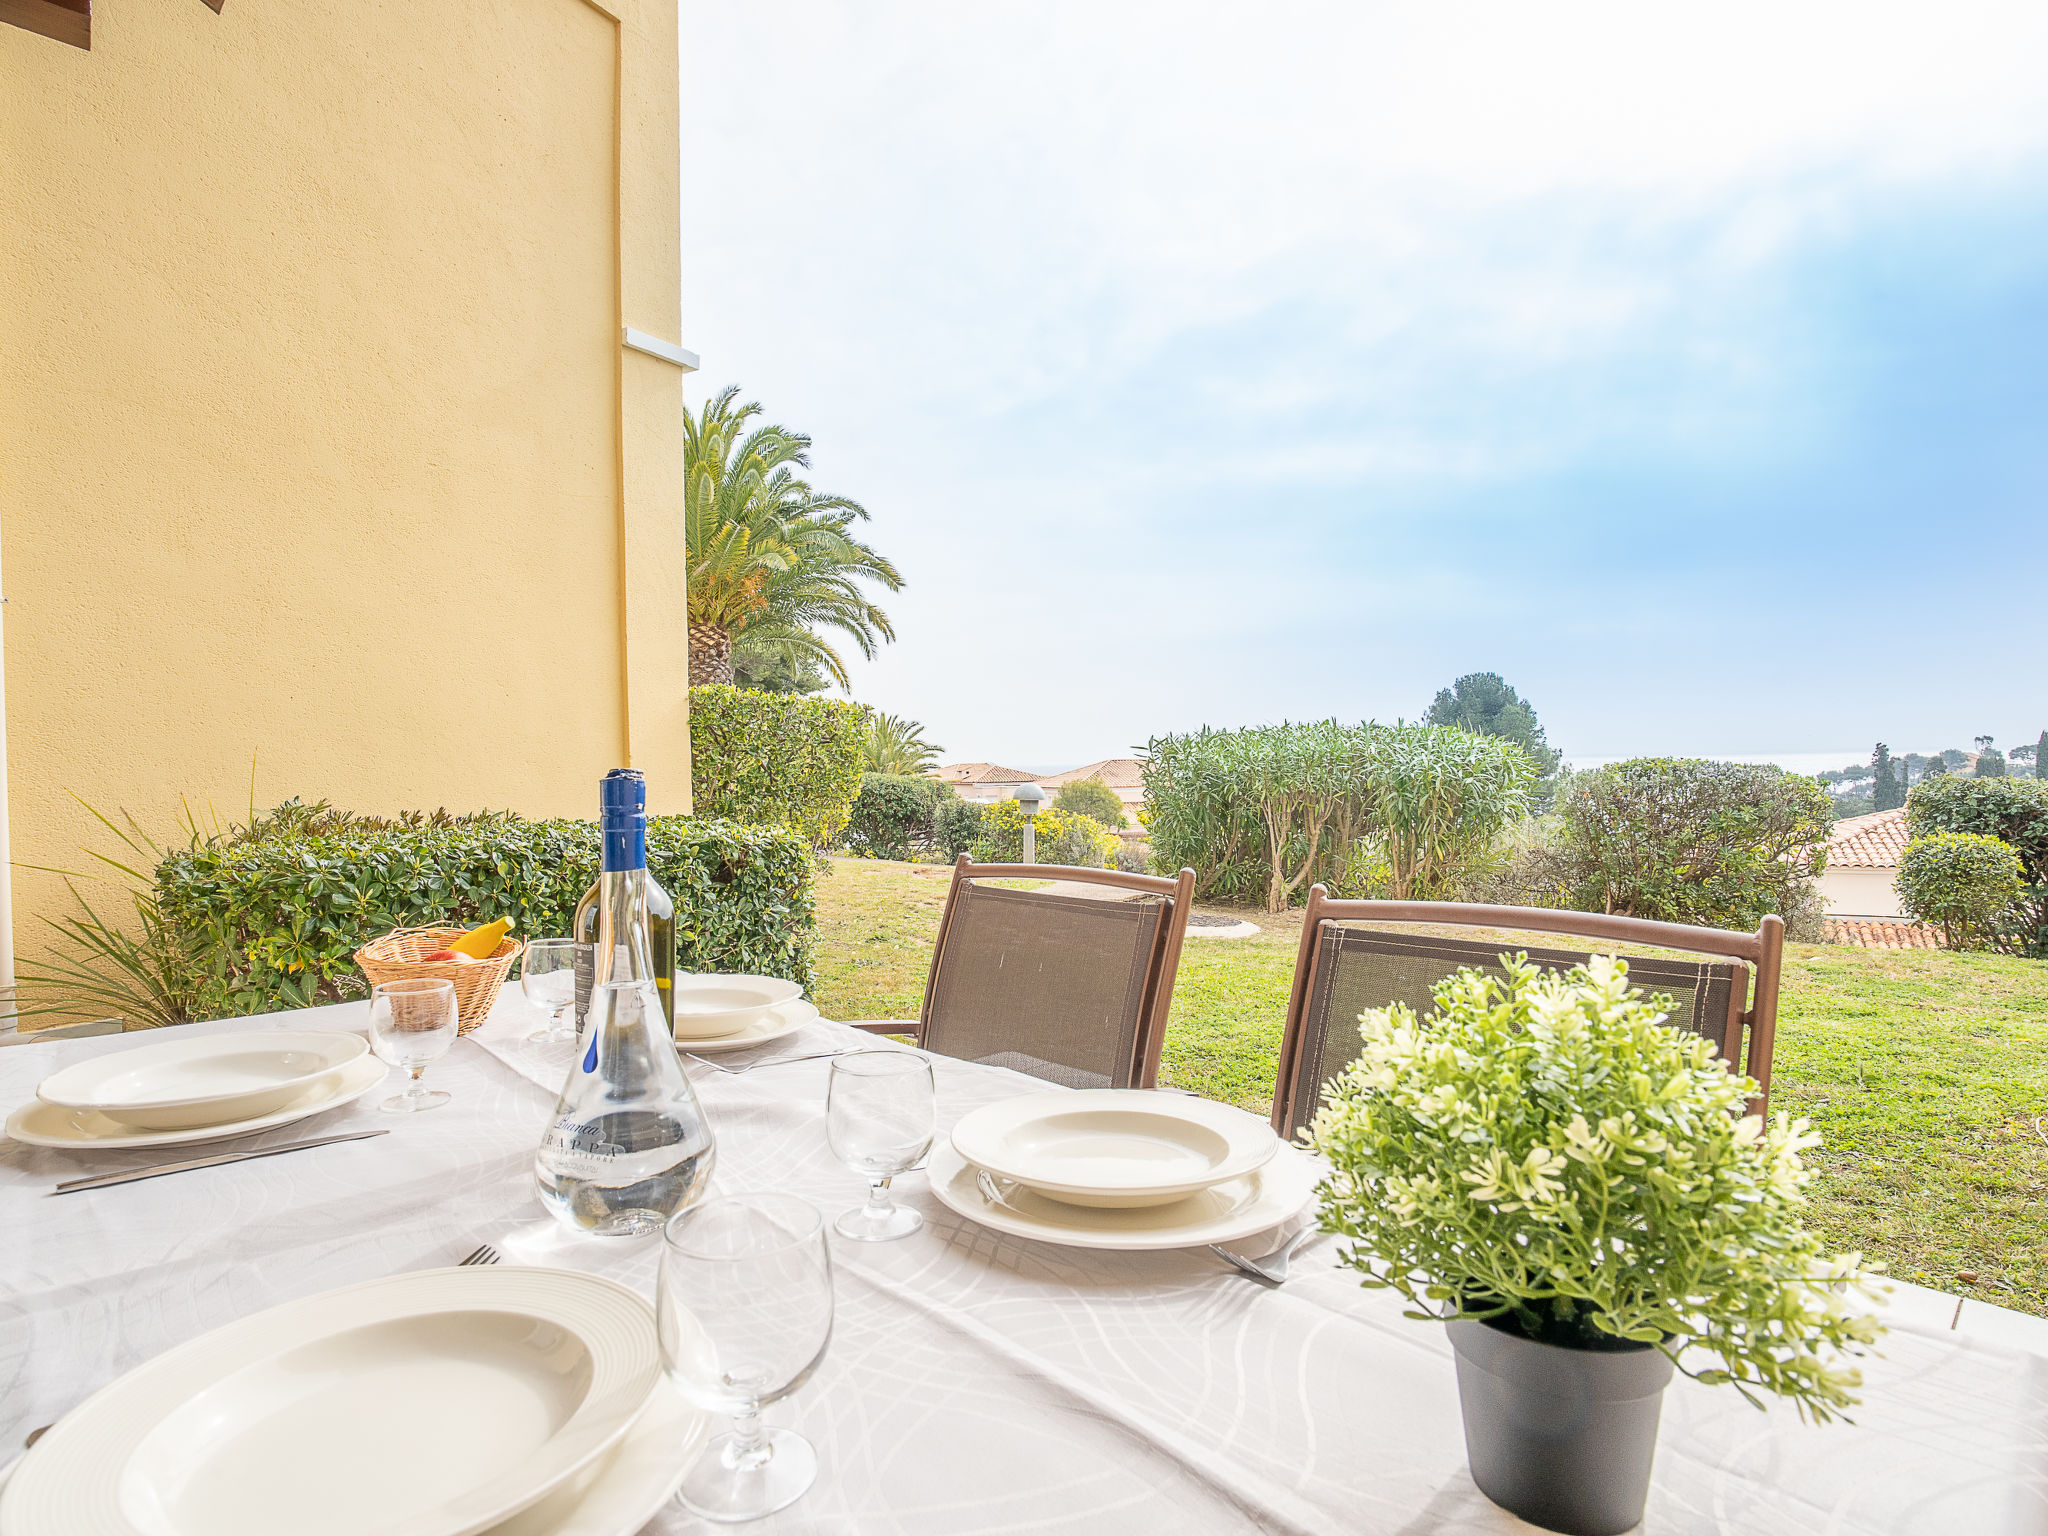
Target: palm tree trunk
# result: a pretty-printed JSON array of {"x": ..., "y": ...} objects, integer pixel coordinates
[{"x": 710, "y": 654}]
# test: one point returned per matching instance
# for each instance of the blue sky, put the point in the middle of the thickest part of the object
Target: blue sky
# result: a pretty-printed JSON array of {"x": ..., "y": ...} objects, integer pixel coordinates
[{"x": 1225, "y": 364}]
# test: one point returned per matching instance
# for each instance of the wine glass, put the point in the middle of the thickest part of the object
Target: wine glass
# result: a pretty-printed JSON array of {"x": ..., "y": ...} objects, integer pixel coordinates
[
  {"x": 411, "y": 1024},
  {"x": 880, "y": 1113},
  {"x": 547, "y": 975},
  {"x": 744, "y": 1307}
]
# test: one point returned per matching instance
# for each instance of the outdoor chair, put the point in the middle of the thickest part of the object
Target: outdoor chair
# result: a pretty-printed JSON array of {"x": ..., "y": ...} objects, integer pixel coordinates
[
  {"x": 1340, "y": 971},
  {"x": 1069, "y": 988}
]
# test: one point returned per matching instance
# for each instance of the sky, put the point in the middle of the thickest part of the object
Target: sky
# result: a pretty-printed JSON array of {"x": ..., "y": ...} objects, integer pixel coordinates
[{"x": 1221, "y": 364}]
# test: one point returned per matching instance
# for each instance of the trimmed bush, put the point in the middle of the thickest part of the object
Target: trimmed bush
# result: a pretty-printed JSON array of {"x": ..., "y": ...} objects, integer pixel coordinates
[
  {"x": 894, "y": 815},
  {"x": 1962, "y": 882},
  {"x": 1092, "y": 798},
  {"x": 275, "y": 920},
  {"x": 1683, "y": 840},
  {"x": 776, "y": 759},
  {"x": 1059, "y": 838},
  {"x": 955, "y": 826},
  {"x": 1260, "y": 814},
  {"x": 2013, "y": 810}
]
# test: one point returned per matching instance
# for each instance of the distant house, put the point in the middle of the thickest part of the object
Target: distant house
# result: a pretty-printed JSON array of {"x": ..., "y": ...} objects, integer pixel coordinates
[
  {"x": 983, "y": 783},
  {"x": 1861, "y": 878},
  {"x": 1125, "y": 775}
]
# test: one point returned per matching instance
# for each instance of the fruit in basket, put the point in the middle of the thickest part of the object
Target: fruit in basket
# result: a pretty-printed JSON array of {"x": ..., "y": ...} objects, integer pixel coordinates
[
  {"x": 480, "y": 943},
  {"x": 451, "y": 954}
]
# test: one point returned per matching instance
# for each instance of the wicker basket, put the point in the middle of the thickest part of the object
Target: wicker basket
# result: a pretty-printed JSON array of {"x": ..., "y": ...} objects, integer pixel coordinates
[{"x": 396, "y": 957}]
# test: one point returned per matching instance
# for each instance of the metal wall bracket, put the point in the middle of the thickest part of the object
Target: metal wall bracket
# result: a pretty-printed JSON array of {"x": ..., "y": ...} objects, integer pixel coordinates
[{"x": 667, "y": 351}]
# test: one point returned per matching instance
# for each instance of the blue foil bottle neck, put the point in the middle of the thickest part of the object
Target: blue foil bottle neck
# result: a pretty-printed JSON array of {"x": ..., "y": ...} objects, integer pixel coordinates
[{"x": 622, "y": 808}]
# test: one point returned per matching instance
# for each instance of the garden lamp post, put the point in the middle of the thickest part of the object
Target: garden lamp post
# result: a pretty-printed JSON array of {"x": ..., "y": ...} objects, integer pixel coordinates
[{"x": 1029, "y": 797}]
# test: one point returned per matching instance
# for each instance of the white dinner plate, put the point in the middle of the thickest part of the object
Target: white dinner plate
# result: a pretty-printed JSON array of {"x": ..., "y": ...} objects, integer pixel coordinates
[
  {"x": 1116, "y": 1148},
  {"x": 437, "y": 1403},
  {"x": 714, "y": 1004},
  {"x": 187, "y": 1081},
  {"x": 621, "y": 1492},
  {"x": 83, "y": 1130},
  {"x": 1224, "y": 1214},
  {"x": 773, "y": 1025}
]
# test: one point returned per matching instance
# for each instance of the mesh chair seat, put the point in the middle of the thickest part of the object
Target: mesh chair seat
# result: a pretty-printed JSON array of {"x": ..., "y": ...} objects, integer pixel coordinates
[
  {"x": 1064, "y": 988},
  {"x": 1353, "y": 969}
]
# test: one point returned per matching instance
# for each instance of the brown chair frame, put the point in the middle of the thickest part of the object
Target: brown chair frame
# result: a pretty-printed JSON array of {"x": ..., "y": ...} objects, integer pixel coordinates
[
  {"x": 1160, "y": 970},
  {"x": 1763, "y": 951}
]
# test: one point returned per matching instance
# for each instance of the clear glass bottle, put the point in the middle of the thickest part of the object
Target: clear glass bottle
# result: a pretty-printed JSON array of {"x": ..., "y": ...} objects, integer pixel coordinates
[{"x": 628, "y": 1146}]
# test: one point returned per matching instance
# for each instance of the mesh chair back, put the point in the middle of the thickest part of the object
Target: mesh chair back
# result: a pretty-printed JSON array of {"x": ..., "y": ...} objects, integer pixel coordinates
[
  {"x": 1065, "y": 988},
  {"x": 1356, "y": 969}
]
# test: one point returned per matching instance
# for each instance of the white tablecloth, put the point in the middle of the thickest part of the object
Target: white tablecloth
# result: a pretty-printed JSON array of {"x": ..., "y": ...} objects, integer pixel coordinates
[{"x": 976, "y": 1383}]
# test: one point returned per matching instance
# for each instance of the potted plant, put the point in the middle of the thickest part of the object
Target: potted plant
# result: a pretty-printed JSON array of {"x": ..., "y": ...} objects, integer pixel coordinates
[{"x": 1573, "y": 1187}]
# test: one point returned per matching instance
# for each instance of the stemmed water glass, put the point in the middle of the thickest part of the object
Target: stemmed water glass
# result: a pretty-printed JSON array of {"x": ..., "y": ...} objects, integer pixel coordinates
[
  {"x": 547, "y": 975},
  {"x": 411, "y": 1024},
  {"x": 744, "y": 1306},
  {"x": 881, "y": 1111}
]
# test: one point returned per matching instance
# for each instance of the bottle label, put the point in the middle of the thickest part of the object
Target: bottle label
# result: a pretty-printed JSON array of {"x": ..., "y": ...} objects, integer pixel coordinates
[{"x": 586, "y": 978}]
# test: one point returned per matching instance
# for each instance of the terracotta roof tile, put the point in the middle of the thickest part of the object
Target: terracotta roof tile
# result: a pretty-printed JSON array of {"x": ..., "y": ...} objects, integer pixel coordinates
[
  {"x": 1116, "y": 772},
  {"x": 1879, "y": 933},
  {"x": 980, "y": 773},
  {"x": 1876, "y": 841}
]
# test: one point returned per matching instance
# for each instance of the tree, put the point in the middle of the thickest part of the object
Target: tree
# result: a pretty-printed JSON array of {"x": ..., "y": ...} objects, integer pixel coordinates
[
  {"x": 768, "y": 554},
  {"x": 896, "y": 745},
  {"x": 2041, "y": 757},
  {"x": 1091, "y": 797},
  {"x": 1990, "y": 761},
  {"x": 1484, "y": 704},
  {"x": 771, "y": 666},
  {"x": 1887, "y": 794},
  {"x": 1936, "y": 767}
]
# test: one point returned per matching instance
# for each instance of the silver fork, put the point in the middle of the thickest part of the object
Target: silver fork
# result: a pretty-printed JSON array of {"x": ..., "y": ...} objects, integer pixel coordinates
[
  {"x": 780, "y": 1061},
  {"x": 1272, "y": 1268},
  {"x": 483, "y": 1254}
]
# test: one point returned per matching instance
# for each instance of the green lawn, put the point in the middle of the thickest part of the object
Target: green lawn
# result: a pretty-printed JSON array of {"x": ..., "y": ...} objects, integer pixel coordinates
[{"x": 1926, "y": 1072}]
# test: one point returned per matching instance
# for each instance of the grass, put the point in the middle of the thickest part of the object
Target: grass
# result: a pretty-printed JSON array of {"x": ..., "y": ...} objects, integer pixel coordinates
[{"x": 1926, "y": 1072}]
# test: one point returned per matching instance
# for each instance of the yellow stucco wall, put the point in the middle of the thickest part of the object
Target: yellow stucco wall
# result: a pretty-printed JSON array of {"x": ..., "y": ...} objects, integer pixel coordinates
[{"x": 317, "y": 441}]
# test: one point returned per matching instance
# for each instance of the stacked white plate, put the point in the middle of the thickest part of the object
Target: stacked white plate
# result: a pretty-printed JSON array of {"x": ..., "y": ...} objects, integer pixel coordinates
[
  {"x": 196, "y": 1088},
  {"x": 783, "y": 1019},
  {"x": 525, "y": 1402},
  {"x": 711, "y": 1005},
  {"x": 1115, "y": 1168}
]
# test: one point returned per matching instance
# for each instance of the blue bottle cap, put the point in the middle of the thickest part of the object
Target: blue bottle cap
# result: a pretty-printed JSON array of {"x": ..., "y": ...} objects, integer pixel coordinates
[{"x": 622, "y": 816}]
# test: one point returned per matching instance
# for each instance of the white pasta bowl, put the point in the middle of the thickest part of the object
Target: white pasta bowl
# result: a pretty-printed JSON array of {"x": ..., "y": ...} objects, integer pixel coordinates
[
  {"x": 183, "y": 1083},
  {"x": 1112, "y": 1148},
  {"x": 709, "y": 1005}
]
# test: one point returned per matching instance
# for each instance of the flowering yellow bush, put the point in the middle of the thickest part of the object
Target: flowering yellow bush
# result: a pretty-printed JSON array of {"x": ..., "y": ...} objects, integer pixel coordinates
[{"x": 1544, "y": 1152}]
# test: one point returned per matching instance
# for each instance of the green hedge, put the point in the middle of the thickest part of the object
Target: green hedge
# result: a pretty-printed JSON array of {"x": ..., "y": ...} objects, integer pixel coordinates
[
  {"x": 278, "y": 920},
  {"x": 1962, "y": 881},
  {"x": 2015, "y": 811},
  {"x": 776, "y": 759},
  {"x": 894, "y": 816}
]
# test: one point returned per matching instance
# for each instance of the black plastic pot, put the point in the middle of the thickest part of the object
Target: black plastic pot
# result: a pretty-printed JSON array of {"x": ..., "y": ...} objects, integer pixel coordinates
[{"x": 1562, "y": 1437}]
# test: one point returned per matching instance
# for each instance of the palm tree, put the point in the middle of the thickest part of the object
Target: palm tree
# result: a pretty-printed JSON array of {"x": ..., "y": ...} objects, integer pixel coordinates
[
  {"x": 769, "y": 556},
  {"x": 896, "y": 745}
]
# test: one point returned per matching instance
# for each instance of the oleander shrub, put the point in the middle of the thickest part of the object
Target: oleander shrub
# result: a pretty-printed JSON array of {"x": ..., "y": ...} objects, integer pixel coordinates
[
  {"x": 1684, "y": 840},
  {"x": 2013, "y": 810},
  {"x": 1059, "y": 838},
  {"x": 1092, "y": 798},
  {"x": 1260, "y": 814},
  {"x": 273, "y": 921},
  {"x": 895, "y": 815},
  {"x": 1963, "y": 882},
  {"x": 777, "y": 759}
]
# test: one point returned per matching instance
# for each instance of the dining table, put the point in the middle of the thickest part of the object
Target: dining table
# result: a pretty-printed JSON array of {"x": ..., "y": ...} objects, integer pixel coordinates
[{"x": 975, "y": 1382}]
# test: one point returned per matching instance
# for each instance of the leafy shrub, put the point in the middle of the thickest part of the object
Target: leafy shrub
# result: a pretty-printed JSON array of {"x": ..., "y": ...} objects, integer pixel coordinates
[
  {"x": 1092, "y": 798},
  {"x": 776, "y": 759},
  {"x": 893, "y": 818},
  {"x": 274, "y": 922},
  {"x": 1542, "y": 1152},
  {"x": 2013, "y": 810},
  {"x": 1133, "y": 857},
  {"x": 1059, "y": 838},
  {"x": 1962, "y": 881},
  {"x": 955, "y": 826},
  {"x": 1683, "y": 840},
  {"x": 1260, "y": 813}
]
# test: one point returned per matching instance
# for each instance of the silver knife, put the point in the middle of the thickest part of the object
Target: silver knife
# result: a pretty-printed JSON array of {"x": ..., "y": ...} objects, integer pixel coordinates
[{"x": 102, "y": 1180}]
